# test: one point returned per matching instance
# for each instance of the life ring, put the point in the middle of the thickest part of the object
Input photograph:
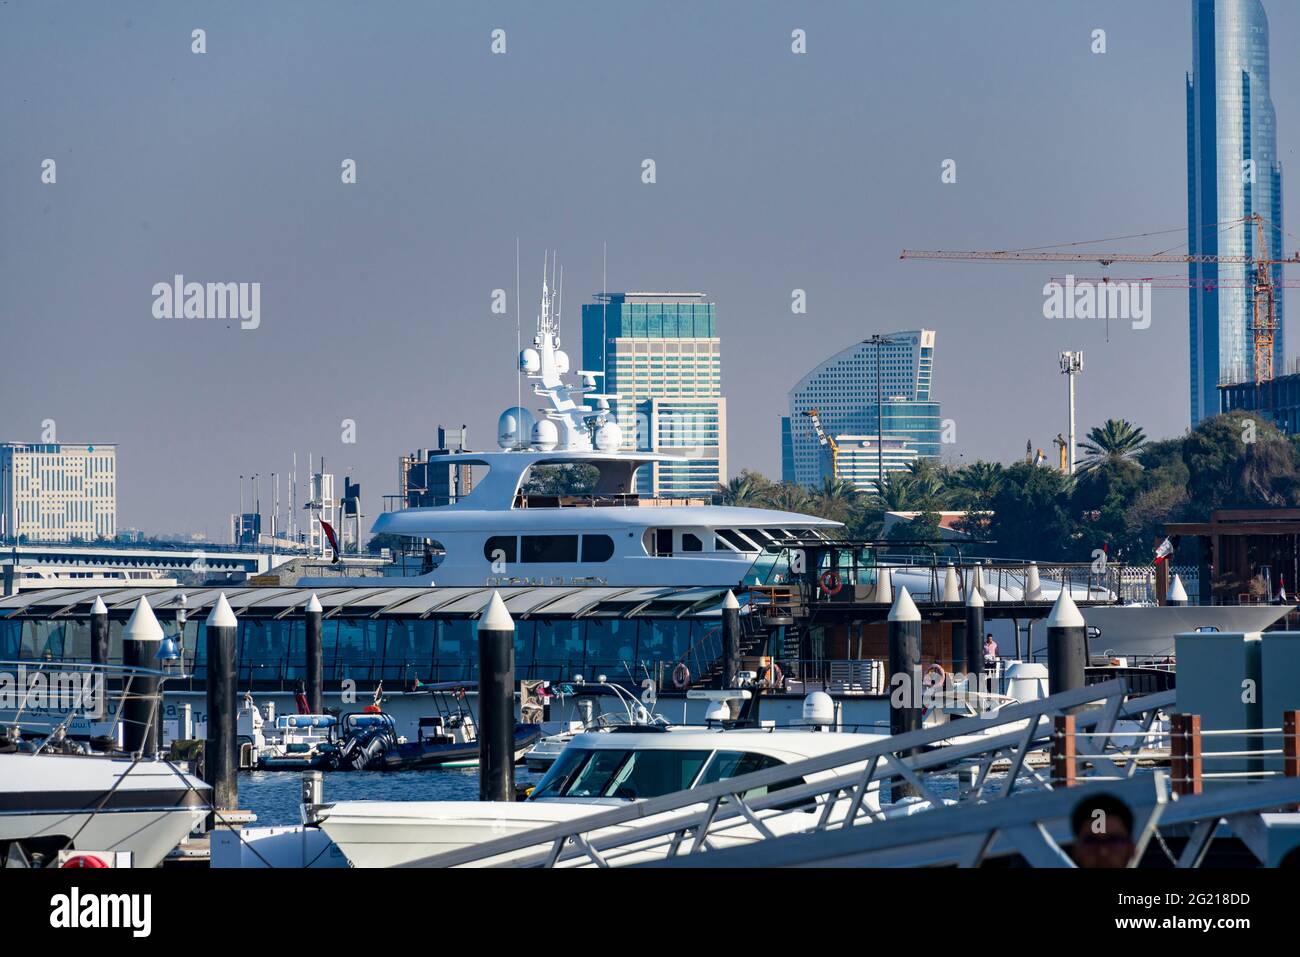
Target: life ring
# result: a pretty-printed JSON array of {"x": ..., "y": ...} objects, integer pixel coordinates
[
  {"x": 681, "y": 675},
  {"x": 775, "y": 676},
  {"x": 939, "y": 675},
  {"x": 84, "y": 860},
  {"x": 830, "y": 582}
]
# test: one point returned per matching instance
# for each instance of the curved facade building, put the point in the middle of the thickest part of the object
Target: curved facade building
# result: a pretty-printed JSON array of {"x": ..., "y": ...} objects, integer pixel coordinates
[
  {"x": 1232, "y": 171},
  {"x": 843, "y": 391}
]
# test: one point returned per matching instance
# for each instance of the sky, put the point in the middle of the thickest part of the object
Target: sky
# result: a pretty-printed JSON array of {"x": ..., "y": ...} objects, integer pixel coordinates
[{"x": 775, "y": 171}]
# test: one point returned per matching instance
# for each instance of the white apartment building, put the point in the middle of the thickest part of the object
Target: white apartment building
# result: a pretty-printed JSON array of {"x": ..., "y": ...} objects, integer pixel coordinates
[{"x": 56, "y": 492}]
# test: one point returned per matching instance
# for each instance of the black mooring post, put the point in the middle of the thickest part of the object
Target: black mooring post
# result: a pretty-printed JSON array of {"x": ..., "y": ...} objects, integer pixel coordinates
[
  {"x": 905, "y": 688},
  {"x": 141, "y": 639},
  {"x": 975, "y": 636},
  {"x": 314, "y": 616},
  {"x": 496, "y": 703},
  {"x": 99, "y": 632},
  {"x": 730, "y": 640},
  {"x": 958, "y": 647},
  {"x": 1067, "y": 635},
  {"x": 220, "y": 753}
]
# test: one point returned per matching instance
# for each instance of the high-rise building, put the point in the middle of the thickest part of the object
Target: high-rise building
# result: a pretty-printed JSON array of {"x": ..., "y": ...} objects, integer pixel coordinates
[
  {"x": 1233, "y": 171},
  {"x": 843, "y": 391},
  {"x": 56, "y": 492},
  {"x": 660, "y": 353}
]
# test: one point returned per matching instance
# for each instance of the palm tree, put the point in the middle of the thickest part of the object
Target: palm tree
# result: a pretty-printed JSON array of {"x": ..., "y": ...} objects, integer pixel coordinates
[
  {"x": 834, "y": 499},
  {"x": 788, "y": 497},
  {"x": 741, "y": 490},
  {"x": 980, "y": 481},
  {"x": 1116, "y": 440},
  {"x": 896, "y": 494}
]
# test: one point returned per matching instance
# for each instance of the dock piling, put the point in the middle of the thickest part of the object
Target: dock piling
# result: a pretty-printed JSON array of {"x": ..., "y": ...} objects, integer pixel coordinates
[
  {"x": 1066, "y": 649},
  {"x": 730, "y": 640},
  {"x": 99, "y": 632},
  {"x": 496, "y": 712},
  {"x": 905, "y": 711},
  {"x": 975, "y": 638},
  {"x": 140, "y": 641},
  {"x": 313, "y": 616},
  {"x": 220, "y": 757}
]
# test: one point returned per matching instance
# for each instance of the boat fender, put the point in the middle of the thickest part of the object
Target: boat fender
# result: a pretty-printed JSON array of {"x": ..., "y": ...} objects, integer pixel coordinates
[
  {"x": 84, "y": 860},
  {"x": 681, "y": 676},
  {"x": 831, "y": 582}
]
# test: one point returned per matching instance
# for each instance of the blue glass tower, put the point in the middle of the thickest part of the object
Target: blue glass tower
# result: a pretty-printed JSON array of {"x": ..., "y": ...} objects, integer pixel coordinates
[{"x": 1232, "y": 172}]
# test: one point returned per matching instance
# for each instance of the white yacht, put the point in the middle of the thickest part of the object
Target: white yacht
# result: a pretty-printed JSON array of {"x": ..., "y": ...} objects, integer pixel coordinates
[
  {"x": 594, "y": 770},
  {"x": 94, "y": 802},
  {"x": 499, "y": 534}
]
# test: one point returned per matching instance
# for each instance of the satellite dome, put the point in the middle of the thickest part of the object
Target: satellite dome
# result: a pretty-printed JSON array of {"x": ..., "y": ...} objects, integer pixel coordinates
[
  {"x": 818, "y": 709},
  {"x": 530, "y": 361},
  {"x": 609, "y": 437},
  {"x": 561, "y": 361},
  {"x": 545, "y": 435},
  {"x": 514, "y": 427}
]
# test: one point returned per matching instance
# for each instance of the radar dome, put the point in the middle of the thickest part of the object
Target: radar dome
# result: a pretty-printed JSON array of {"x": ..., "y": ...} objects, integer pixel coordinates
[
  {"x": 530, "y": 361},
  {"x": 818, "y": 709},
  {"x": 514, "y": 428},
  {"x": 545, "y": 435},
  {"x": 609, "y": 437},
  {"x": 561, "y": 361}
]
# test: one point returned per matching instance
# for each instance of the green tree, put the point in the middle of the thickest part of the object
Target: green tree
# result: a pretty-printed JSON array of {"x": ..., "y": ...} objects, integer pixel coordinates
[{"x": 1113, "y": 441}]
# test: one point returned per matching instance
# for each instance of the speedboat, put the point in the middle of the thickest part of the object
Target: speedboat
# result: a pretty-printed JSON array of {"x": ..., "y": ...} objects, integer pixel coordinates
[
  {"x": 95, "y": 803},
  {"x": 596, "y": 769}
]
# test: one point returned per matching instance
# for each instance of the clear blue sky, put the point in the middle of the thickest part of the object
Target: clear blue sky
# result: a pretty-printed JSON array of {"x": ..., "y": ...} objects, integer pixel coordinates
[{"x": 775, "y": 172}]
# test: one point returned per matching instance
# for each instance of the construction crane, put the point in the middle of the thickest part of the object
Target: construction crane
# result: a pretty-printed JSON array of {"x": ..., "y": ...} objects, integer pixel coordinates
[
  {"x": 1264, "y": 318},
  {"x": 826, "y": 442},
  {"x": 1061, "y": 446}
]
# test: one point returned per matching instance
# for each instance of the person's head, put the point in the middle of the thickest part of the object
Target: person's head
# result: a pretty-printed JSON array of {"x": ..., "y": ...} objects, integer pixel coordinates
[{"x": 1102, "y": 826}]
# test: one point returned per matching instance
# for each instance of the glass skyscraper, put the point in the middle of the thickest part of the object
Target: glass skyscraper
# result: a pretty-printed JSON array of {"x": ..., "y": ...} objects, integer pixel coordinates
[
  {"x": 843, "y": 391},
  {"x": 1232, "y": 171},
  {"x": 661, "y": 354}
]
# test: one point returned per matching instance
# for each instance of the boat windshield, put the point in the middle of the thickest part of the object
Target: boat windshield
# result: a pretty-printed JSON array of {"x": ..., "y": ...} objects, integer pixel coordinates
[{"x": 641, "y": 773}]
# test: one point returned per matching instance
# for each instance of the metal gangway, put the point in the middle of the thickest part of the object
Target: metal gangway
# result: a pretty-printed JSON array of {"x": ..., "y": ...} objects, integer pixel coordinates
[{"x": 1017, "y": 807}]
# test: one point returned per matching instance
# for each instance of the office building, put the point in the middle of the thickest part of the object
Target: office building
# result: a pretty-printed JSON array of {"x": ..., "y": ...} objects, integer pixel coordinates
[
  {"x": 842, "y": 390},
  {"x": 660, "y": 353},
  {"x": 56, "y": 492},
  {"x": 1233, "y": 171}
]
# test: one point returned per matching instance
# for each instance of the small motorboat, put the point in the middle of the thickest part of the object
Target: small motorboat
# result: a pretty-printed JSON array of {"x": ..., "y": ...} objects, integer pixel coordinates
[{"x": 629, "y": 712}]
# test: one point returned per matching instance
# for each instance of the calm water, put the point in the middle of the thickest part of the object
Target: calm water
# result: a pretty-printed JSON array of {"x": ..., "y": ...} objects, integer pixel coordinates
[{"x": 274, "y": 795}]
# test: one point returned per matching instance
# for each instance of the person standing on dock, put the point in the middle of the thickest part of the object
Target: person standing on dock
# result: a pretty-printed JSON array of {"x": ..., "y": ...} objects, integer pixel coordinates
[{"x": 990, "y": 651}]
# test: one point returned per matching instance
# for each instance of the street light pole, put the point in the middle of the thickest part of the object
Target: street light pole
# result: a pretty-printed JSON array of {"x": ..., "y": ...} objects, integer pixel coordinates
[{"x": 878, "y": 341}]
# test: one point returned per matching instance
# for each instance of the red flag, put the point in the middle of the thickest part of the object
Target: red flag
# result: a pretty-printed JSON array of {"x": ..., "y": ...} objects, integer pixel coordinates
[
  {"x": 1164, "y": 551},
  {"x": 333, "y": 539}
]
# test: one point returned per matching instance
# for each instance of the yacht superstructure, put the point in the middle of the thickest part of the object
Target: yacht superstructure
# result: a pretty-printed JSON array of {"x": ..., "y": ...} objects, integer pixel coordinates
[{"x": 499, "y": 534}]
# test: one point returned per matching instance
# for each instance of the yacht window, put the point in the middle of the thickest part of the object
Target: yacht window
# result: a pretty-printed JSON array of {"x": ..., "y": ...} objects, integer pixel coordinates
[
  {"x": 755, "y": 536},
  {"x": 649, "y": 774},
  {"x": 735, "y": 541},
  {"x": 538, "y": 549},
  {"x": 597, "y": 548},
  {"x": 780, "y": 534},
  {"x": 554, "y": 782},
  {"x": 691, "y": 542},
  {"x": 663, "y": 541},
  {"x": 629, "y": 774},
  {"x": 732, "y": 764},
  {"x": 500, "y": 548}
]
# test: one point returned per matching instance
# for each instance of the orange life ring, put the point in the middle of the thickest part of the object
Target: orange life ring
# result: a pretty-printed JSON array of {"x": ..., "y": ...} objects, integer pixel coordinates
[
  {"x": 938, "y": 671},
  {"x": 84, "y": 860},
  {"x": 830, "y": 582},
  {"x": 775, "y": 675},
  {"x": 681, "y": 675}
]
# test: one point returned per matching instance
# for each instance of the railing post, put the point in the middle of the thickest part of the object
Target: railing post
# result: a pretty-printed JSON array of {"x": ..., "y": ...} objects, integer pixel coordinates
[
  {"x": 1065, "y": 765},
  {"x": 1185, "y": 753},
  {"x": 1290, "y": 746}
]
